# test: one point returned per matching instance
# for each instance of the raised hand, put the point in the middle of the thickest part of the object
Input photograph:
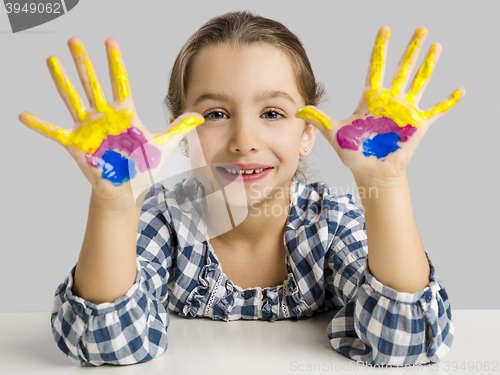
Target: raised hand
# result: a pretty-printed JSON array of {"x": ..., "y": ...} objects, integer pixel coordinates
[
  {"x": 108, "y": 141},
  {"x": 380, "y": 137}
]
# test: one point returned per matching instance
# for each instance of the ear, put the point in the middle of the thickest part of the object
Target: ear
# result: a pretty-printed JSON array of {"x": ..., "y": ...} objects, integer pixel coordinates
[
  {"x": 307, "y": 140},
  {"x": 184, "y": 146}
]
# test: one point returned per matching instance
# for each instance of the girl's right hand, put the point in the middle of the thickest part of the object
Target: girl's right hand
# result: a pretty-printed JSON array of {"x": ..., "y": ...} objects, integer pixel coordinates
[{"x": 109, "y": 142}]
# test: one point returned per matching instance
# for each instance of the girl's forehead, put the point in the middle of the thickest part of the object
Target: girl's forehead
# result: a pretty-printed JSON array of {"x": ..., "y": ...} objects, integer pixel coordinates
[{"x": 230, "y": 68}]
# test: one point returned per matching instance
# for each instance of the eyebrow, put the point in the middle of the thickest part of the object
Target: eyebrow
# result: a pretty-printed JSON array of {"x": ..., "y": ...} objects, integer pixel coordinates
[{"x": 265, "y": 95}]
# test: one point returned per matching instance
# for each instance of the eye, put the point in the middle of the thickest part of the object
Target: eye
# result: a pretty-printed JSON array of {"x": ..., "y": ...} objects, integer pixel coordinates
[
  {"x": 274, "y": 113},
  {"x": 214, "y": 114}
]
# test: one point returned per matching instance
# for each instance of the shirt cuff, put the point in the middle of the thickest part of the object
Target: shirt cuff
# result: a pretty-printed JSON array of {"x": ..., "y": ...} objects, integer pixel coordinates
[
  {"x": 423, "y": 296},
  {"x": 85, "y": 308}
]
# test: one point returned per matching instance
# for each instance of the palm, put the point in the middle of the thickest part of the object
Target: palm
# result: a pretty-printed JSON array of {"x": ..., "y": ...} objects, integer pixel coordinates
[
  {"x": 109, "y": 142},
  {"x": 380, "y": 137}
]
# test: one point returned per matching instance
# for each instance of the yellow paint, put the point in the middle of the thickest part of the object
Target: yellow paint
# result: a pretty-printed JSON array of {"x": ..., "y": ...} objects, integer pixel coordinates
[
  {"x": 92, "y": 131},
  {"x": 422, "y": 76},
  {"x": 385, "y": 103},
  {"x": 307, "y": 113},
  {"x": 89, "y": 136},
  {"x": 378, "y": 59},
  {"x": 99, "y": 101},
  {"x": 78, "y": 49},
  {"x": 443, "y": 107},
  {"x": 67, "y": 88},
  {"x": 397, "y": 82},
  {"x": 121, "y": 79},
  {"x": 49, "y": 129},
  {"x": 185, "y": 126}
]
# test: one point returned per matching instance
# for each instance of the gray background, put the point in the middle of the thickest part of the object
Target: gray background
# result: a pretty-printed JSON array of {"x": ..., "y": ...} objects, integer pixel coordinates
[{"x": 452, "y": 175}]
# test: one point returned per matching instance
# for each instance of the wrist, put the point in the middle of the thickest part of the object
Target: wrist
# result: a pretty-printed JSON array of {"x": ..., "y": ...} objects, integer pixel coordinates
[
  {"x": 377, "y": 192},
  {"x": 123, "y": 203},
  {"x": 367, "y": 181}
]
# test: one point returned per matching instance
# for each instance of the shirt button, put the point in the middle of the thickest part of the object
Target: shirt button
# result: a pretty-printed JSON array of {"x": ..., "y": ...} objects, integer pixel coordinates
[
  {"x": 79, "y": 308},
  {"x": 428, "y": 296},
  {"x": 248, "y": 294}
]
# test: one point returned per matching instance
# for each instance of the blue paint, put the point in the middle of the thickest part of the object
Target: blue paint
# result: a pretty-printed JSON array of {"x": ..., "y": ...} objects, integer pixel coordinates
[
  {"x": 381, "y": 145},
  {"x": 115, "y": 167}
]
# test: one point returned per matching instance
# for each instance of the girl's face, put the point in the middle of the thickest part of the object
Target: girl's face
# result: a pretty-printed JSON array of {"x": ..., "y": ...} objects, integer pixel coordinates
[{"x": 248, "y": 97}]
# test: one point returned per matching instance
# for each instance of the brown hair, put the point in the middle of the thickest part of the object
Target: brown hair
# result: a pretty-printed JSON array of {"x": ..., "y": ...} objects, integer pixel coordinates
[{"x": 243, "y": 28}]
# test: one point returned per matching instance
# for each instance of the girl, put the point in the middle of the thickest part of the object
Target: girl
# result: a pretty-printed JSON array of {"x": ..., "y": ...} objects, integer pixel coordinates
[{"x": 245, "y": 84}]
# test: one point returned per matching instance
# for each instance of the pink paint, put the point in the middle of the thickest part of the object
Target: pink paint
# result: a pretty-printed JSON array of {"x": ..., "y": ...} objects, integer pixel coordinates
[
  {"x": 351, "y": 136},
  {"x": 128, "y": 141}
]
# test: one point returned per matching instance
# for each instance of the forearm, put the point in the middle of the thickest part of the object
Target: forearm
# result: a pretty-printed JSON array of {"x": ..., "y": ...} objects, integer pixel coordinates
[
  {"x": 396, "y": 256},
  {"x": 106, "y": 268}
]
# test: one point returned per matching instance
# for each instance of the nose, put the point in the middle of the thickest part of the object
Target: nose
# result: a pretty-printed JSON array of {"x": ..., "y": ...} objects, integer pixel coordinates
[{"x": 245, "y": 136}]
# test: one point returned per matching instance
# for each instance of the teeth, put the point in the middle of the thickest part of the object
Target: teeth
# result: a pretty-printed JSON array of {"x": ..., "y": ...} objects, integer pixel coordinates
[{"x": 240, "y": 172}]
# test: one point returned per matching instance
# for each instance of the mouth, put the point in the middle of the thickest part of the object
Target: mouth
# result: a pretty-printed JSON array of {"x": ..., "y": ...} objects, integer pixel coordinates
[{"x": 247, "y": 175}]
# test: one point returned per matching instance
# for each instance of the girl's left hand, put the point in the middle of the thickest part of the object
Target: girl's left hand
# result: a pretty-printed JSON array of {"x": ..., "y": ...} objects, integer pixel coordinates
[{"x": 378, "y": 140}]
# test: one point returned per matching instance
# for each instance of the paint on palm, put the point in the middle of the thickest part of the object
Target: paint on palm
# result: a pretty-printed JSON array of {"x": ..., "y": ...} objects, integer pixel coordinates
[
  {"x": 108, "y": 141},
  {"x": 395, "y": 119}
]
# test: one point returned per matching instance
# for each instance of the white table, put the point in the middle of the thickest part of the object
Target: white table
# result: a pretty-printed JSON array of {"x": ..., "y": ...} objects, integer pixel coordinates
[{"x": 251, "y": 347}]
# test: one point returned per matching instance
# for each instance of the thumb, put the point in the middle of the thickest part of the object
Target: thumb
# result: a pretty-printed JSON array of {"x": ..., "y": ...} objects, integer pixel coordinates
[
  {"x": 318, "y": 118},
  {"x": 183, "y": 124}
]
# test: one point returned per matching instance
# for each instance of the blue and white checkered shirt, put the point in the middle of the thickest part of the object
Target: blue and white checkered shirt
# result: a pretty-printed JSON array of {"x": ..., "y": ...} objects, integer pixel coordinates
[{"x": 326, "y": 245}]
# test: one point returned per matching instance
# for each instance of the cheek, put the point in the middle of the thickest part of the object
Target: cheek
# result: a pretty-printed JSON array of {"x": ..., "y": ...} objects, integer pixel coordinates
[
  {"x": 288, "y": 139},
  {"x": 201, "y": 148}
]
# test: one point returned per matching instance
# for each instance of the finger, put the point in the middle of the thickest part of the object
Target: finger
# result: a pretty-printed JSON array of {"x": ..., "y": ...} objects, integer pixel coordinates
[
  {"x": 327, "y": 125},
  {"x": 314, "y": 114},
  {"x": 445, "y": 105},
  {"x": 422, "y": 77},
  {"x": 47, "y": 129},
  {"x": 117, "y": 71},
  {"x": 376, "y": 68},
  {"x": 408, "y": 61},
  {"x": 88, "y": 75},
  {"x": 67, "y": 90},
  {"x": 182, "y": 125}
]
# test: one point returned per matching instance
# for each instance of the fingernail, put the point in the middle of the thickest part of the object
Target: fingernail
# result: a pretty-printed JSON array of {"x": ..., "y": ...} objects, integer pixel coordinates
[{"x": 307, "y": 113}]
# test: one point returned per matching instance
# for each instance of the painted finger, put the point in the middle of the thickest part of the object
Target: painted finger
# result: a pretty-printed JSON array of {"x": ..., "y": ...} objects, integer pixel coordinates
[
  {"x": 187, "y": 123},
  {"x": 445, "y": 105},
  {"x": 422, "y": 77},
  {"x": 47, "y": 129},
  {"x": 67, "y": 90},
  {"x": 327, "y": 125},
  {"x": 314, "y": 114},
  {"x": 408, "y": 61},
  {"x": 117, "y": 71},
  {"x": 376, "y": 68},
  {"x": 88, "y": 75}
]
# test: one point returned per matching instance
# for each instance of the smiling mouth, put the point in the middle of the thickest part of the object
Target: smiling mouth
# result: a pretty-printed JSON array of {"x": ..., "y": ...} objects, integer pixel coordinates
[{"x": 239, "y": 172}]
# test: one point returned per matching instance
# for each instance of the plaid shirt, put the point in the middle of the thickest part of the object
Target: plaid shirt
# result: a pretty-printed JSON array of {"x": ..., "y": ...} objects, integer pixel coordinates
[{"x": 326, "y": 245}]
